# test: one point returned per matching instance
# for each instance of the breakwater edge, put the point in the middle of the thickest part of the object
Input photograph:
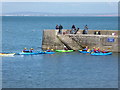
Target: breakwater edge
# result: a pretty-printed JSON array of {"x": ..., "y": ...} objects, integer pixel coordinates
[{"x": 108, "y": 40}]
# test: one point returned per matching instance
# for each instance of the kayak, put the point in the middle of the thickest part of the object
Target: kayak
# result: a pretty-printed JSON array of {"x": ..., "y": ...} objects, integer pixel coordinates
[
  {"x": 84, "y": 51},
  {"x": 7, "y": 54},
  {"x": 46, "y": 52},
  {"x": 23, "y": 53},
  {"x": 35, "y": 53},
  {"x": 64, "y": 50},
  {"x": 101, "y": 54},
  {"x": 49, "y": 52}
]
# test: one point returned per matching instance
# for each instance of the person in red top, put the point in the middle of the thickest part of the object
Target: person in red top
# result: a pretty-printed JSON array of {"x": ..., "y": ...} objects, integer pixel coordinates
[
  {"x": 48, "y": 50},
  {"x": 103, "y": 51},
  {"x": 95, "y": 50},
  {"x": 98, "y": 49}
]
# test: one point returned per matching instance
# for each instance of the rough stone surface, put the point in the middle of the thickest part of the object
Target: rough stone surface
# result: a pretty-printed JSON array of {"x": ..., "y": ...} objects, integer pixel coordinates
[{"x": 77, "y": 41}]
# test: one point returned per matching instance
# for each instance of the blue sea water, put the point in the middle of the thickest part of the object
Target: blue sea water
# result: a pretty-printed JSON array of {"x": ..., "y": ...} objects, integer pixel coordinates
[{"x": 61, "y": 70}]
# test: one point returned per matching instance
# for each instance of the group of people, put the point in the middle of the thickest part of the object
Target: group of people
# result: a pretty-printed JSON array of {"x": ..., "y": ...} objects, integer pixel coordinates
[
  {"x": 95, "y": 50},
  {"x": 73, "y": 30},
  {"x": 31, "y": 50},
  {"x": 28, "y": 51},
  {"x": 59, "y": 28},
  {"x": 97, "y": 33}
]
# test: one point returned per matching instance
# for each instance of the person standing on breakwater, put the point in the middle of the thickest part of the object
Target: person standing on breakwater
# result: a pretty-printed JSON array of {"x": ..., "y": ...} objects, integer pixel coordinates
[
  {"x": 73, "y": 29},
  {"x": 86, "y": 29},
  {"x": 57, "y": 27},
  {"x": 60, "y": 29}
]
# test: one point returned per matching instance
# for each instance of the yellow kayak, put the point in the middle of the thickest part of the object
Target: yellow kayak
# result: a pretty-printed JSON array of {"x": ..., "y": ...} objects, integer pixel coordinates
[{"x": 7, "y": 54}]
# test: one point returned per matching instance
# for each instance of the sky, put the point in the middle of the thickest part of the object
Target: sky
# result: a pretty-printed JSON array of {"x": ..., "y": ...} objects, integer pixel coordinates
[
  {"x": 60, "y": 0},
  {"x": 60, "y": 7}
]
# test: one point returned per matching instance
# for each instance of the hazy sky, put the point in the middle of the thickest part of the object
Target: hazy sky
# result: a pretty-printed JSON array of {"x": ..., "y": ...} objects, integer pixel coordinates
[
  {"x": 60, "y": 0},
  {"x": 61, "y": 7}
]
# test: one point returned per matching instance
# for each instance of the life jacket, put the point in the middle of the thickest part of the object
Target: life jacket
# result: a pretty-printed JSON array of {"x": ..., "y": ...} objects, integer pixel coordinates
[{"x": 95, "y": 50}]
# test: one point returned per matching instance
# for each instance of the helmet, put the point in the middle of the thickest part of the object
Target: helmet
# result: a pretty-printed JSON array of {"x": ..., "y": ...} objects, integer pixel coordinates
[
  {"x": 52, "y": 49},
  {"x": 31, "y": 48},
  {"x": 48, "y": 48}
]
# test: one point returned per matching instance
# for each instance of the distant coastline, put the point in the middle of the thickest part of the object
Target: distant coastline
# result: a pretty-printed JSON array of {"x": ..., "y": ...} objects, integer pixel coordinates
[
  {"x": 57, "y": 14},
  {"x": 66, "y": 15}
]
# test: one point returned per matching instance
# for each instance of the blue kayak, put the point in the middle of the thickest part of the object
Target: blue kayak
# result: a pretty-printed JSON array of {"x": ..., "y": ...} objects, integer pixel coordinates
[
  {"x": 35, "y": 53},
  {"x": 28, "y": 53},
  {"x": 46, "y": 52},
  {"x": 84, "y": 51},
  {"x": 101, "y": 54}
]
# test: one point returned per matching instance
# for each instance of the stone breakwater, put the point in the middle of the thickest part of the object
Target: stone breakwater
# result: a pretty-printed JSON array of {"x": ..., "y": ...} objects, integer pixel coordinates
[{"x": 108, "y": 40}]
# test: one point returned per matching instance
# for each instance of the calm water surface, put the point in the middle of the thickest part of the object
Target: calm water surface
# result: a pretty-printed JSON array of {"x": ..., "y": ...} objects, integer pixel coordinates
[{"x": 61, "y": 70}]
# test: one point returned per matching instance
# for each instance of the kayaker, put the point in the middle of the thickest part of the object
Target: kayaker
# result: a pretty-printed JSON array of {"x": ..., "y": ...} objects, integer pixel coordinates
[
  {"x": 52, "y": 49},
  {"x": 98, "y": 49},
  {"x": 31, "y": 50},
  {"x": 103, "y": 51},
  {"x": 95, "y": 50},
  {"x": 48, "y": 50},
  {"x": 85, "y": 49},
  {"x": 65, "y": 48},
  {"x": 25, "y": 50}
]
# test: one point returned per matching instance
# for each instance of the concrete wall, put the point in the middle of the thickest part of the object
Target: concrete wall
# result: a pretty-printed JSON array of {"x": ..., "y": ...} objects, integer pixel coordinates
[
  {"x": 50, "y": 40},
  {"x": 77, "y": 41}
]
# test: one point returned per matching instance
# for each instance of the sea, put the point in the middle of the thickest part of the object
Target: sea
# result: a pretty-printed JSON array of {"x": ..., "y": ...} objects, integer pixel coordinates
[{"x": 60, "y": 70}]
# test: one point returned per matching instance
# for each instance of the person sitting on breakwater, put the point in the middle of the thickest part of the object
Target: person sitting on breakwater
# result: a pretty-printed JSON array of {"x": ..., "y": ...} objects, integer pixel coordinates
[
  {"x": 57, "y": 27},
  {"x": 60, "y": 29},
  {"x": 76, "y": 31},
  {"x": 84, "y": 31},
  {"x": 25, "y": 50},
  {"x": 99, "y": 33},
  {"x": 95, "y": 33}
]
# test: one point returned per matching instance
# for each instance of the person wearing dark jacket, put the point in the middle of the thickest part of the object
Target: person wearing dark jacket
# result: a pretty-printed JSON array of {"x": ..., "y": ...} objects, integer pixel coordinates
[
  {"x": 57, "y": 27},
  {"x": 60, "y": 29},
  {"x": 73, "y": 27}
]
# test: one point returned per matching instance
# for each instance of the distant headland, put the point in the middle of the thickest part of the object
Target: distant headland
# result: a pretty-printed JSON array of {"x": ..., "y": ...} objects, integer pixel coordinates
[{"x": 57, "y": 14}]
